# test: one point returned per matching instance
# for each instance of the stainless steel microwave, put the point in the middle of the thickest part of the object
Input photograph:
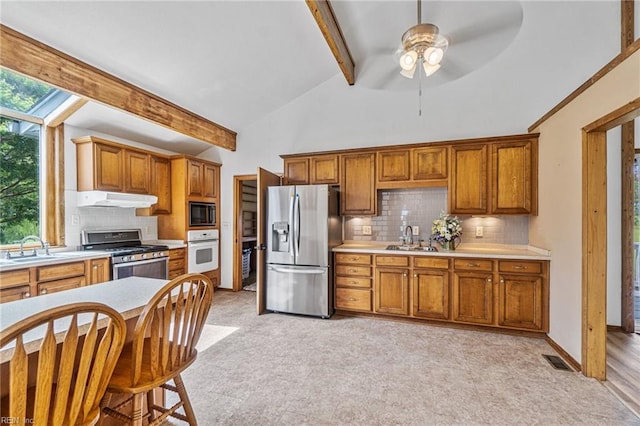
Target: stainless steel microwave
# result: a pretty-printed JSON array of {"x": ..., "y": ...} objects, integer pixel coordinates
[{"x": 202, "y": 214}]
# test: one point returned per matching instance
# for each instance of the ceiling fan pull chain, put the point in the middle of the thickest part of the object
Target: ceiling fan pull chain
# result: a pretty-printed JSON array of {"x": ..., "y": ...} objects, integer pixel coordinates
[{"x": 420, "y": 94}]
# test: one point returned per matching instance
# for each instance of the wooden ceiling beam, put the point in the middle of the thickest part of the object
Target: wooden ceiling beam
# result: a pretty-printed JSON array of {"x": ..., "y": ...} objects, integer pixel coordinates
[
  {"x": 326, "y": 20},
  {"x": 42, "y": 62}
]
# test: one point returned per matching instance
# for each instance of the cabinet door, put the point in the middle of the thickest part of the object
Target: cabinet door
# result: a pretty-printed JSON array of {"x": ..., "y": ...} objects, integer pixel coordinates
[
  {"x": 296, "y": 171},
  {"x": 324, "y": 169},
  {"x": 468, "y": 189},
  {"x": 430, "y": 163},
  {"x": 393, "y": 165},
  {"x": 521, "y": 301},
  {"x": 99, "y": 271},
  {"x": 473, "y": 297},
  {"x": 210, "y": 180},
  {"x": 109, "y": 170},
  {"x": 392, "y": 291},
  {"x": 514, "y": 176},
  {"x": 194, "y": 179},
  {"x": 430, "y": 294},
  {"x": 136, "y": 172},
  {"x": 161, "y": 185},
  {"x": 357, "y": 194}
]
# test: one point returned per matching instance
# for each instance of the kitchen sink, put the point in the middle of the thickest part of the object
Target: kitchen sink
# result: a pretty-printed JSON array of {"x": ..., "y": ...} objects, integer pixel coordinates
[
  {"x": 38, "y": 258},
  {"x": 410, "y": 248}
]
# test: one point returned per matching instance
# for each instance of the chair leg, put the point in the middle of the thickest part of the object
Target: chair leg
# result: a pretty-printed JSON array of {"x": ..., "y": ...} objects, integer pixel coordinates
[
  {"x": 188, "y": 409},
  {"x": 136, "y": 411},
  {"x": 150, "y": 403}
]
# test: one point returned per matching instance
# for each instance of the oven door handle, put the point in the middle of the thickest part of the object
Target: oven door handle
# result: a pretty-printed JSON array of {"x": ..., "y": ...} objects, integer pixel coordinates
[
  {"x": 140, "y": 262},
  {"x": 204, "y": 243}
]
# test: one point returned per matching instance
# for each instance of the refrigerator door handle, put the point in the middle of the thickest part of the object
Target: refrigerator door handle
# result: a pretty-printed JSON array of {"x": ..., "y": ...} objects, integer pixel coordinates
[
  {"x": 296, "y": 241},
  {"x": 292, "y": 230},
  {"x": 286, "y": 270}
]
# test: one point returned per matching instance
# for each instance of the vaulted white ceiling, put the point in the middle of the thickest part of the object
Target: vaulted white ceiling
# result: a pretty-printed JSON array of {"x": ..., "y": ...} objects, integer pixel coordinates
[{"x": 247, "y": 64}]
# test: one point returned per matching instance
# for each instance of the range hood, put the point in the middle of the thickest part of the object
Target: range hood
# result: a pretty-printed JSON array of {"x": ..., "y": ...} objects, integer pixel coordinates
[{"x": 115, "y": 199}]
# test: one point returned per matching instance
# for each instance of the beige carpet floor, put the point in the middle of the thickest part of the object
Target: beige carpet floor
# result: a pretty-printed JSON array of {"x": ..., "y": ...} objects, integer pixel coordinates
[{"x": 280, "y": 369}]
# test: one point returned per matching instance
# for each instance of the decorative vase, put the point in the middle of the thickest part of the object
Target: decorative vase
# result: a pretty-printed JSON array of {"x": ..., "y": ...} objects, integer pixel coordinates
[{"x": 448, "y": 245}]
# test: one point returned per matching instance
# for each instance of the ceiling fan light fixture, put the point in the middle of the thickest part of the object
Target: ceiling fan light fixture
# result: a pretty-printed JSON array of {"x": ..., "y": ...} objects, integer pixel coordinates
[
  {"x": 408, "y": 60},
  {"x": 408, "y": 73},
  {"x": 430, "y": 69},
  {"x": 433, "y": 55}
]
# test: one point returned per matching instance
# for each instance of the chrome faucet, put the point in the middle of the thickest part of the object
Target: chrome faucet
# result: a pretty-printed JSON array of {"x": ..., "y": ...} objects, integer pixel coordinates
[
  {"x": 408, "y": 236},
  {"x": 43, "y": 245}
]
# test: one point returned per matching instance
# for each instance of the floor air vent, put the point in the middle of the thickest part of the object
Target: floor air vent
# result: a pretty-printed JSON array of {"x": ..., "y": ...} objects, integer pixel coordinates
[{"x": 557, "y": 362}]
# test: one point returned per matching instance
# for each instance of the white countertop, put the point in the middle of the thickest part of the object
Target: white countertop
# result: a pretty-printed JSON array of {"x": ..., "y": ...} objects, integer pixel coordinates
[
  {"x": 494, "y": 251},
  {"x": 128, "y": 296},
  {"x": 57, "y": 257}
]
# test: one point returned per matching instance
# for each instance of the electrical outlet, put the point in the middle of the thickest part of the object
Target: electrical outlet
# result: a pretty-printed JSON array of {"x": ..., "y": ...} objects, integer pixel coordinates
[
  {"x": 479, "y": 231},
  {"x": 415, "y": 230},
  {"x": 366, "y": 230},
  {"x": 75, "y": 219}
]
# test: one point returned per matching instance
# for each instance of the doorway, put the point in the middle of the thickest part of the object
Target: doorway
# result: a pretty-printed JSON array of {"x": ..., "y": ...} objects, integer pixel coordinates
[{"x": 245, "y": 231}]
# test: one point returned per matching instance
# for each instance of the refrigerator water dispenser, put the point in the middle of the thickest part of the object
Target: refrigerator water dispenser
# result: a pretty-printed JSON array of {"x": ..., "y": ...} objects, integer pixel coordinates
[{"x": 280, "y": 236}]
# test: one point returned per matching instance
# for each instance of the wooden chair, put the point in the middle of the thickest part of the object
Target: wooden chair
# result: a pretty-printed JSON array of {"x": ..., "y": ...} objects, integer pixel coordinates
[
  {"x": 60, "y": 384},
  {"x": 164, "y": 344}
]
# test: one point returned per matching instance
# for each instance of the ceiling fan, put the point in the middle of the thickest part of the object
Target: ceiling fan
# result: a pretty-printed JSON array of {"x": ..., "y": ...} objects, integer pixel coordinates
[
  {"x": 422, "y": 44},
  {"x": 458, "y": 38}
]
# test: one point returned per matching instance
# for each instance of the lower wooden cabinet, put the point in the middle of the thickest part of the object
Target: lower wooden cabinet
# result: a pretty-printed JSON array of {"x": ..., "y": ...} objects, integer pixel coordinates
[
  {"x": 392, "y": 291},
  {"x": 353, "y": 282},
  {"x": 509, "y": 294},
  {"x": 177, "y": 262},
  {"x": 38, "y": 280}
]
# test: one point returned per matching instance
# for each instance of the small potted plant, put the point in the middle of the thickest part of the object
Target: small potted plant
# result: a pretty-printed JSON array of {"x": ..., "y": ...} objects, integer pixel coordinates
[{"x": 447, "y": 230}]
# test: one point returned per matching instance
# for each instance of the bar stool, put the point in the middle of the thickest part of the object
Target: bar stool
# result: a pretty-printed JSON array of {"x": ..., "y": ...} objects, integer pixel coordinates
[
  {"x": 164, "y": 344},
  {"x": 64, "y": 385}
]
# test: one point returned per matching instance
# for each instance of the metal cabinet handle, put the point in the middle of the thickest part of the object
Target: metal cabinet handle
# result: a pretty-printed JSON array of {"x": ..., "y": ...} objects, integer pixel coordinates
[
  {"x": 489, "y": 280},
  {"x": 43, "y": 291},
  {"x": 353, "y": 270},
  {"x": 501, "y": 280},
  {"x": 352, "y": 299},
  {"x": 473, "y": 265},
  {"x": 354, "y": 258},
  {"x": 26, "y": 294},
  {"x": 415, "y": 275},
  {"x": 404, "y": 274},
  {"x": 354, "y": 282},
  {"x": 519, "y": 267}
]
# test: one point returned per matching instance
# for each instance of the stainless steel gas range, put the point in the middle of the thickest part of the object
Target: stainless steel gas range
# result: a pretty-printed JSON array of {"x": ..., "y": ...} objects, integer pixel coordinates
[{"x": 129, "y": 257}]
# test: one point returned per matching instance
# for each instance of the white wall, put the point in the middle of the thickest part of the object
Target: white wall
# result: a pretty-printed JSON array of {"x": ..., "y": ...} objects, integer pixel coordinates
[{"x": 559, "y": 224}]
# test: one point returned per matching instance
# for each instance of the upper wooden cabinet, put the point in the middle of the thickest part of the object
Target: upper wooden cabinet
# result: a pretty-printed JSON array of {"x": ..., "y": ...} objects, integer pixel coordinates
[
  {"x": 468, "y": 188},
  {"x": 357, "y": 180},
  {"x": 160, "y": 184},
  {"x": 411, "y": 168},
  {"x": 202, "y": 179},
  {"x": 514, "y": 177},
  {"x": 296, "y": 171},
  {"x": 136, "y": 172},
  {"x": 100, "y": 165},
  {"x": 495, "y": 178},
  {"x": 315, "y": 169}
]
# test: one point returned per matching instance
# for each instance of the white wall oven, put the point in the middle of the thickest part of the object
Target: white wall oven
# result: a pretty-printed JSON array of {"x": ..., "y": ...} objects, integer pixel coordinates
[{"x": 202, "y": 250}]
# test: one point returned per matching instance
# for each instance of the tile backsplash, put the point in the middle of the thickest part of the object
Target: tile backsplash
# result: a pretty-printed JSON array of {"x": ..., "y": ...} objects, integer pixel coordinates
[{"x": 420, "y": 207}]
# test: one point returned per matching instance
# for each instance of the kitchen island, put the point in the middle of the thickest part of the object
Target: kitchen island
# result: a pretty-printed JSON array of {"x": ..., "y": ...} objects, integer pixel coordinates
[
  {"x": 128, "y": 296},
  {"x": 505, "y": 288}
]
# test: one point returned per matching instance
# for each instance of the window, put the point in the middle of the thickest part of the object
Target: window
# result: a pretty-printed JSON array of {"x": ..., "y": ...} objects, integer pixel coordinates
[{"x": 24, "y": 104}]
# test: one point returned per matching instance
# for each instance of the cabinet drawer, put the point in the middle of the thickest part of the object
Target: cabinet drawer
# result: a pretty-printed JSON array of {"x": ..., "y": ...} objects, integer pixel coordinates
[
  {"x": 176, "y": 264},
  {"x": 392, "y": 260},
  {"x": 431, "y": 262},
  {"x": 176, "y": 253},
  {"x": 11, "y": 278},
  {"x": 353, "y": 259},
  {"x": 174, "y": 273},
  {"x": 347, "y": 298},
  {"x": 362, "y": 271},
  {"x": 353, "y": 282},
  {"x": 473, "y": 264},
  {"x": 524, "y": 267},
  {"x": 9, "y": 294},
  {"x": 60, "y": 285},
  {"x": 65, "y": 270}
]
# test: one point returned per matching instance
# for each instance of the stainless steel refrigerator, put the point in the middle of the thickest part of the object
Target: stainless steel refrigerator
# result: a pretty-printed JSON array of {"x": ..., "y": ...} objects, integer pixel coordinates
[{"x": 303, "y": 225}]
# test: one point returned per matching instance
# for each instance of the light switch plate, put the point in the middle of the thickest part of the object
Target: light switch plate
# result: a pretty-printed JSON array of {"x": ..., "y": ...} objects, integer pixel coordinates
[
  {"x": 415, "y": 230},
  {"x": 479, "y": 231},
  {"x": 366, "y": 230}
]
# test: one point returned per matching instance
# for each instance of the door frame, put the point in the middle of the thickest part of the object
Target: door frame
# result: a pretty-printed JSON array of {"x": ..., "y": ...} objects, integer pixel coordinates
[
  {"x": 594, "y": 237},
  {"x": 237, "y": 228}
]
